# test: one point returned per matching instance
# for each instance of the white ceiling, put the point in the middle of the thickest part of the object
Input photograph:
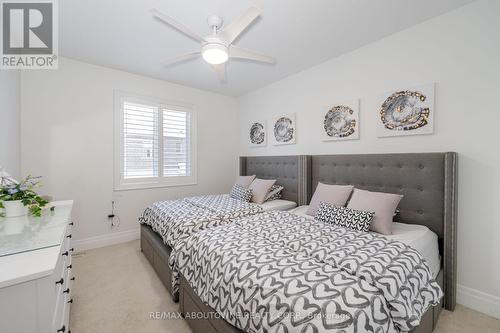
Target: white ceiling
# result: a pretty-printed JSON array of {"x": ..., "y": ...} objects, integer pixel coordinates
[{"x": 122, "y": 34}]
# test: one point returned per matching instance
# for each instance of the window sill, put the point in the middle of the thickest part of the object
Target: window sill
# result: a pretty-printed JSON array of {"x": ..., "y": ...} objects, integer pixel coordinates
[{"x": 148, "y": 186}]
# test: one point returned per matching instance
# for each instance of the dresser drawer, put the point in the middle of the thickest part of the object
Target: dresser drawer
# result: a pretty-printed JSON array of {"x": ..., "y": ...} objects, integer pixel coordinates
[
  {"x": 62, "y": 285},
  {"x": 61, "y": 317},
  {"x": 60, "y": 271},
  {"x": 67, "y": 238},
  {"x": 63, "y": 298}
]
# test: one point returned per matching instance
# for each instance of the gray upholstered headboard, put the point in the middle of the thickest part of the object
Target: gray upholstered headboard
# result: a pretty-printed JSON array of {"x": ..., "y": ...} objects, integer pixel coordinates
[
  {"x": 289, "y": 172},
  {"x": 427, "y": 181}
]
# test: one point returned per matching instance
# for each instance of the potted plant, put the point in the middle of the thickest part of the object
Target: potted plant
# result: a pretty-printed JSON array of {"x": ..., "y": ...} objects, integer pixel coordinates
[{"x": 17, "y": 198}]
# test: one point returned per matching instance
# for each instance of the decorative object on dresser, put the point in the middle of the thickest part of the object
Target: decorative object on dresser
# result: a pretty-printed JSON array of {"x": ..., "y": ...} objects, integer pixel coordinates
[
  {"x": 36, "y": 277},
  {"x": 284, "y": 130},
  {"x": 257, "y": 133},
  {"x": 407, "y": 112},
  {"x": 341, "y": 122},
  {"x": 17, "y": 198}
]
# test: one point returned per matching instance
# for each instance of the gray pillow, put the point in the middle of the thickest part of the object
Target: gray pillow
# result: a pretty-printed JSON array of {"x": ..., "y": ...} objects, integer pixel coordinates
[
  {"x": 383, "y": 204},
  {"x": 260, "y": 188},
  {"x": 336, "y": 195},
  {"x": 245, "y": 181}
]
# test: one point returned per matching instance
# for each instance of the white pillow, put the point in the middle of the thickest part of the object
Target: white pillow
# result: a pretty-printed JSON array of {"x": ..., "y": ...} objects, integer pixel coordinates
[
  {"x": 260, "y": 188},
  {"x": 245, "y": 181},
  {"x": 383, "y": 204},
  {"x": 336, "y": 195}
]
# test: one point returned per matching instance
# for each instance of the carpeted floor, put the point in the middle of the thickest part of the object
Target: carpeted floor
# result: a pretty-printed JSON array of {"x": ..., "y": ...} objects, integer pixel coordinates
[{"x": 117, "y": 291}]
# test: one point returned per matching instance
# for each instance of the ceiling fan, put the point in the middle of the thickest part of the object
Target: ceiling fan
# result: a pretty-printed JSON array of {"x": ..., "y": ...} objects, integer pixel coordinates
[{"x": 217, "y": 48}]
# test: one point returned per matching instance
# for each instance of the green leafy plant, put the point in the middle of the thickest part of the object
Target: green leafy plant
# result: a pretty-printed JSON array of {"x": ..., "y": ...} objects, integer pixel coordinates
[{"x": 11, "y": 190}]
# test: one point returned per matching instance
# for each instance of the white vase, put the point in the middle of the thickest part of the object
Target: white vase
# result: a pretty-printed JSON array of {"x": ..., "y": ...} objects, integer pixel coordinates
[{"x": 14, "y": 208}]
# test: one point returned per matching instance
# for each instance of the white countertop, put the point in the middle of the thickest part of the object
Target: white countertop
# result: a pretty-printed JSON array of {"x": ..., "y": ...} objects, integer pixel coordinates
[{"x": 36, "y": 252}]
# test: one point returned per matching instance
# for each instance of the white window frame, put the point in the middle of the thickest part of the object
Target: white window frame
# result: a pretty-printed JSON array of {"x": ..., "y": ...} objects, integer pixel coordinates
[{"x": 121, "y": 184}]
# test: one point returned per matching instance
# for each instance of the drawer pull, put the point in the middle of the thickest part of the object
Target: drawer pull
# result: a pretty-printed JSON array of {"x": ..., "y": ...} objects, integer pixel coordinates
[
  {"x": 70, "y": 266},
  {"x": 62, "y": 329},
  {"x": 72, "y": 279},
  {"x": 61, "y": 281},
  {"x": 70, "y": 301},
  {"x": 72, "y": 223},
  {"x": 69, "y": 236},
  {"x": 66, "y": 291},
  {"x": 72, "y": 249},
  {"x": 65, "y": 253}
]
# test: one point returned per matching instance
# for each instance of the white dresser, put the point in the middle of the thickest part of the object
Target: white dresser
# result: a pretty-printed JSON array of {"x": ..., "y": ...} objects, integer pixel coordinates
[{"x": 35, "y": 272}]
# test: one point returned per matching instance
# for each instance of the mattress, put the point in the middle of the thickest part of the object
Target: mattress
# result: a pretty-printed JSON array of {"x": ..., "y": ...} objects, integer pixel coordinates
[
  {"x": 417, "y": 236},
  {"x": 278, "y": 204}
]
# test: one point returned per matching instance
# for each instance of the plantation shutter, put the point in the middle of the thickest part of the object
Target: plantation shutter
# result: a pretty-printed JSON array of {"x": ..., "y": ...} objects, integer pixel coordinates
[
  {"x": 176, "y": 143},
  {"x": 140, "y": 141}
]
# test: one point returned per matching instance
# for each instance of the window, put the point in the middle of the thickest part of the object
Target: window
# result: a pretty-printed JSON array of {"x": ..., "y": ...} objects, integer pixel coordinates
[{"x": 154, "y": 143}]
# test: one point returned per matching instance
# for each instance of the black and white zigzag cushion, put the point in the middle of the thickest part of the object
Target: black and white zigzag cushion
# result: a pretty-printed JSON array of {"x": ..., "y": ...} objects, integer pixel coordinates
[
  {"x": 240, "y": 193},
  {"x": 274, "y": 193},
  {"x": 344, "y": 217}
]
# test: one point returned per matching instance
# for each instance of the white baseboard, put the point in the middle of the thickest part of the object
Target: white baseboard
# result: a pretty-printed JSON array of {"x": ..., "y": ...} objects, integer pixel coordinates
[
  {"x": 106, "y": 240},
  {"x": 479, "y": 301}
]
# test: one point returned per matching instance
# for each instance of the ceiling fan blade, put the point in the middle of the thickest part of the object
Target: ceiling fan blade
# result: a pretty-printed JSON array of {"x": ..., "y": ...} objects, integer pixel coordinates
[
  {"x": 182, "y": 58},
  {"x": 221, "y": 71},
  {"x": 176, "y": 25},
  {"x": 237, "y": 52},
  {"x": 233, "y": 30}
]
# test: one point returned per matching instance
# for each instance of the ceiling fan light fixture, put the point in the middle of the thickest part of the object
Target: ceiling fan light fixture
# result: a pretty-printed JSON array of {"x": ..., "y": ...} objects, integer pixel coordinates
[{"x": 215, "y": 53}]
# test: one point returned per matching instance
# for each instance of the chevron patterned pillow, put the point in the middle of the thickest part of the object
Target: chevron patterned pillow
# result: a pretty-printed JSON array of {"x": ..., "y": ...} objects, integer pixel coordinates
[
  {"x": 344, "y": 217},
  {"x": 274, "y": 193},
  {"x": 240, "y": 193}
]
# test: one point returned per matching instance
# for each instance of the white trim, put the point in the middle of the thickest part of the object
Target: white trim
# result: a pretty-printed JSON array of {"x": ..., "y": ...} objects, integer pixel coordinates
[
  {"x": 156, "y": 182},
  {"x": 479, "y": 301},
  {"x": 106, "y": 240}
]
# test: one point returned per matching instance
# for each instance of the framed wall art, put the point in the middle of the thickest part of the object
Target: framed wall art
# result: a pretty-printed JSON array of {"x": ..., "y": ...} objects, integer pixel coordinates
[
  {"x": 406, "y": 112},
  {"x": 341, "y": 122},
  {"x": 257, "y": 135},
  {"x": 284, "y": 130}
]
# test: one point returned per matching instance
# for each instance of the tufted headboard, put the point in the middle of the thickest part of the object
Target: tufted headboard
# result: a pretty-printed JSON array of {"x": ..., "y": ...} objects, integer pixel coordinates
[
  {"x": 427, "y": 181},
  {"x": 289, "y": 172}
]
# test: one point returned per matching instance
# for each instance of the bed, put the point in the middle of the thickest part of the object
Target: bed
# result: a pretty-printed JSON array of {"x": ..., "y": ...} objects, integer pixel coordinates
[
  {"x": 428, "y": 183},
  {"x": 165, "y": 223}
]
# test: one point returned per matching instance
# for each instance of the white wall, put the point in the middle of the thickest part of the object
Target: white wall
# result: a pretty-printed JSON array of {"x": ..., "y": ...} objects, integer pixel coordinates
[
  {"x": 460, "y": 51},
  {"x": 10, "y": 107},
  {"x": 67, "y": 137}
]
